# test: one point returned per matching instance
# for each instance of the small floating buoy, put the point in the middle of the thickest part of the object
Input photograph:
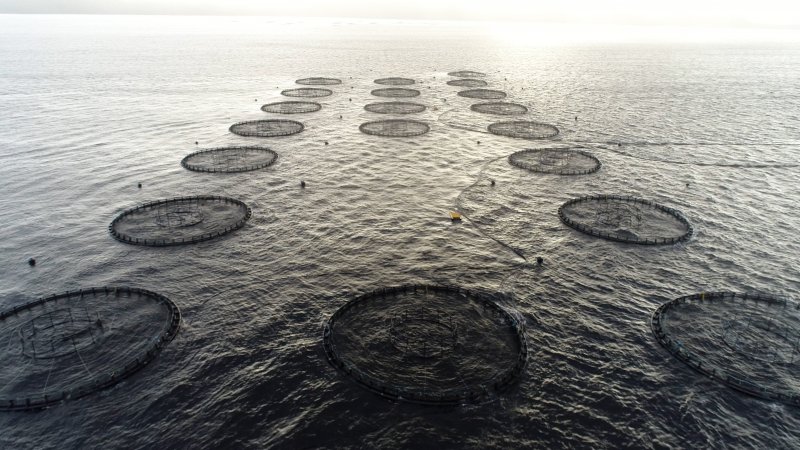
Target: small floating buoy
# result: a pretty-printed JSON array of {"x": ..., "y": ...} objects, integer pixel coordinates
[
  {"x": 539, "y": 260},
  {"x": 140, "y": 185},
  {"x": 326, "y": 142},
  {"x": 492, "y": 181},
  {"x": 31, "y": 262},
  {"x": 619, "y": 144},
  {"x": 479, "y": 142},
  {"x": 196, "y": 143},
  {"x": 454, "y": 216},
  {"x": 340, "y": 116},
  {"x": 255, "y": 100},
  {"x": 302, "y": 184},
  {"x": 576, "y": 118},
  {"x": 350, "y": 99},
  {"x": 687, "y": 184}
]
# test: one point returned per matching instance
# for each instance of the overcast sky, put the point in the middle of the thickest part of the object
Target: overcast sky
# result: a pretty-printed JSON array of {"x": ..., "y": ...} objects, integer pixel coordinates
[{"x": 729, "y": 13}]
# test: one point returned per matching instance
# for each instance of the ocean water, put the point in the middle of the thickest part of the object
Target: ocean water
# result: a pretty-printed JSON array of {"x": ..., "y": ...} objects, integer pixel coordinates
[{"x": 91, "y": 106}]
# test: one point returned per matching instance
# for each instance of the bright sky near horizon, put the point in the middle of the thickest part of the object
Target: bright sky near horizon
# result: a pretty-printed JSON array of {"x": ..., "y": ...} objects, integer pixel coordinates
[{"x": 727, "y": 13}]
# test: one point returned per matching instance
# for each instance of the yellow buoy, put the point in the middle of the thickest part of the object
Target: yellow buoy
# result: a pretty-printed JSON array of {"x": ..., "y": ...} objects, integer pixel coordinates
[{"x": 455, "y": 216}]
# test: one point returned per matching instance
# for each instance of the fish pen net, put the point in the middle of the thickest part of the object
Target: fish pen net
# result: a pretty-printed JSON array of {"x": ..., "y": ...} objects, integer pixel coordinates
[
  {"x": 485, "y": 94},
  {"x": 291, "y": 107},
  {"x": 230, "y": 159},
  {"x": 626, "y": 219},
  {"x": 523, "y": 129},
  {"x": 749, "y": 342},
  {"x": 395, "y": 108},
  {"x": 560, "y": 161},
  {"x": 267, "y": 128},
  {"x": 437, "y": 345},
  {"x": 395, "y": 81},
  {"x": 70, "y": 345},
  {"x": 395, "y": 92},
  {"x": 499, "y": 108},
  {"x": 467, "y": 74},
  {"x": 307, "y": 92},
  {"x": 177, "y": 221},
  {"x": 319, "y": 81},
  {"x": 469, "y": 82},
  {"x": 395, "y": 128}
]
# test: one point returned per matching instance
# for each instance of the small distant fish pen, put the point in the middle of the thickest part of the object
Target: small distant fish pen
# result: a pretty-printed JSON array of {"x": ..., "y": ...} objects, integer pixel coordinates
[
  {"x": 395, "y": 81},
  {"x": 307, "y": 92},
  {"x": 70, "y": 345},
  {"x": 467, "y": 74},
  {"x": 291, "y": 107},
  {"x": 560, "y": 161},
  {"x": 524, "y": 129},
  {"x": 499, "y": 108},
  {"x": 395, "y": 92},
  {"x": 485, "y": 94},
  {"x": 230, "y": 159},
  {"x": 395, "y": 128},
  {"x": 267, "y": 128},
  {"x": 468, "y": 82},
  {"x": 319, "y": 81},
  {"x": 395, "y": 108},
  {"x": 747, "y": 341},
  {"x": 179, "y": 221},
  {"x": 434, "y": 345},
  {"x": 626, "y": 219}
]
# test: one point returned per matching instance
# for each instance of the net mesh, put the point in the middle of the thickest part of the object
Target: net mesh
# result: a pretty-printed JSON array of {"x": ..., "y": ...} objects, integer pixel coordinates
[
  {"x": 469, "y": 82},
  {"x": 523, "y": 129},
  {"x": 291, "y": 107},
  {"x": 499, "y": 108},
  {"x": 467, "y": 74},
  {"x": 749, "y": 342},
  {"x": 395, "y": 108},
  {"x": 395, "y": 92},
  {"x": 485, "y": 94},
  {"x": 427, "y": 344},
  {"x": 267, "y": 128},
  {"x": 307, "y": 92},
  {"x": 395, "y": 128},
  {"x": 626, "y": 219},
  {"x": 395, "y": 81},
  {"x": 177, "y": 221},
  {"x": 230, "y": 159},
  {"x": 70, "y": 345},
  {"x": 559, "y": 161},
  {"x": 319, "y": 81}
]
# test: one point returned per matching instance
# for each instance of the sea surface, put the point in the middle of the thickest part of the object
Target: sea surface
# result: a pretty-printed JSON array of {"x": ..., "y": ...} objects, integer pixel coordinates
[{"x": 90, "y": 106}]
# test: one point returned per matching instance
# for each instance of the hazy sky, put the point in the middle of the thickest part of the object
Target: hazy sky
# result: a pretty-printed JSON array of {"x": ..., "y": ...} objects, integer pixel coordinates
[{"x": 763, "y": 13}]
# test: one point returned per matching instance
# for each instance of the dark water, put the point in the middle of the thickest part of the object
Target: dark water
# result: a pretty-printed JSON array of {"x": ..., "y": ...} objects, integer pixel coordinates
[{"x": 88, "y": 115}]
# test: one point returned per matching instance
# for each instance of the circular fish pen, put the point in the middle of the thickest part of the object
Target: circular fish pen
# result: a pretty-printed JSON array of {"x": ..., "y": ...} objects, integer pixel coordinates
[
  {"x": 626, "y": 219},
  {"x": 523, "y": 129},
  {"x": 468, "y": 82},
  {"x": 395, "y": 81},
  {"x": 267, "y": 128},
  {"x": 307, "y": 92},
  {"x": 499, "y": 108},
  {"x": 230, "y": 159},
  {"x": 291, "y": 107},
  {"x": 560, "y": 161},
  {"x": 395, "y": 108},
  {"x": 319, "y": 81},
  {"x": 178, "y": 221},
  {"x": 749, "y": 342},
  {"x": 467, "y": 74},
  {"x": 395, "y": 92},
  {"x": 435, "y": 345},
  {"x": 70, "y": 345},
  {"x": 395, "y": 128},
  {"x": 485, "y": 94}
]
